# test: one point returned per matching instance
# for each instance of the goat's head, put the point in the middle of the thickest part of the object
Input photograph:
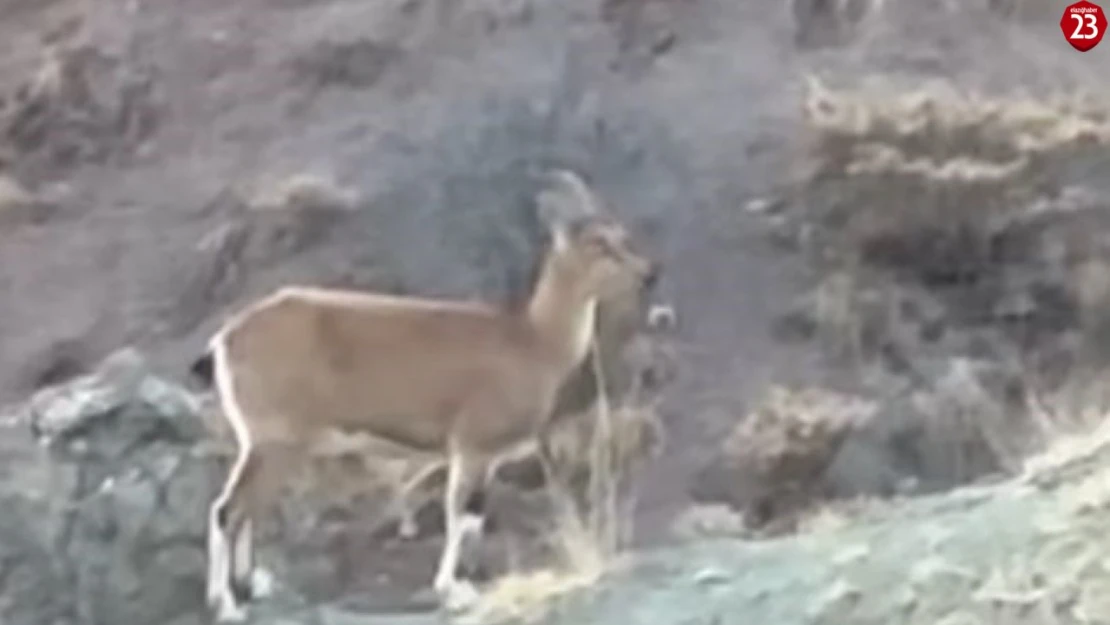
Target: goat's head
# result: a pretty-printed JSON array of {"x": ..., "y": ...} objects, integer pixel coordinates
[{"x": 589, "y": 244}]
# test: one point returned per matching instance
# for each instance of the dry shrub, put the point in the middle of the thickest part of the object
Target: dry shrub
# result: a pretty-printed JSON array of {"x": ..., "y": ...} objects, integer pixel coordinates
[
  {"x": 1073, "y": 423},
  {"x": 84, "y": 104},
  {"x": 792, "y": 434},
  {"x": 835, "y": 514},
  {"x": 924, "y": 179},
  {"x": 268, "y": 220},
  {"x": 526, "y": 596},
  {"x": 966, "y": 425},
  {"x": 771, "y": 467},
  {"x": 853, "y": 316},
  {"x": 958, "y": 237},
  {"x": 636, "y": 436},
  {"x": 301, "y": 191},
  {"x": 710, "y": 519},
  {"x": 288, "y": 214},
  {"x": 599, "y": 450}
]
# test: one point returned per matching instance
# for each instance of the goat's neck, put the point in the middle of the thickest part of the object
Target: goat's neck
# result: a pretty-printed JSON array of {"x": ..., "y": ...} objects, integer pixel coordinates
[{"x": 562, "y": 314}]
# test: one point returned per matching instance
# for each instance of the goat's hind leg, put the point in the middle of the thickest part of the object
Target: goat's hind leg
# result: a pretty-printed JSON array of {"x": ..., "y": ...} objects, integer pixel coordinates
[
  {"x": 408, "y": 500},
  {"x": 226, "y": 520},
  {"x": 271, "y": 463}
]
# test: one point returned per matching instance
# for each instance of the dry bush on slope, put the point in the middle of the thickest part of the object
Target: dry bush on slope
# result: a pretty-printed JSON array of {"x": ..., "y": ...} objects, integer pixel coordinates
[
  {"x": 771, "y": 466},
  {"x": 597, "y": 452},
  {"x": 264, "y": 222},
  {"x": 918, "y": 180},
  {"x": 83, "y": 105},
  {"x": 583, "y": 552},
  {"x": 929, "y": 211},
  {"x": 962, "y": 259}
]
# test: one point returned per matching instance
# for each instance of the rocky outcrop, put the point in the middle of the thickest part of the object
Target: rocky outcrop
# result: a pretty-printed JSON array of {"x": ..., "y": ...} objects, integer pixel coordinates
[
  {"x": 103, "y": 484},
  {"x": 105, "y": 481}
]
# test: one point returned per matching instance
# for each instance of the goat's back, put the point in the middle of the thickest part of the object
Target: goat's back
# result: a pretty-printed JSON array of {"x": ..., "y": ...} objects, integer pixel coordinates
[{"x": 402, "y": 368}]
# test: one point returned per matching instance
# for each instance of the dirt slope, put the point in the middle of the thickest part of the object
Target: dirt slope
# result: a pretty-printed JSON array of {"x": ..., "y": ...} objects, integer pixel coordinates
[
  {"x": 1025, "y": 551},
  {"x": 143, "y": 140}
]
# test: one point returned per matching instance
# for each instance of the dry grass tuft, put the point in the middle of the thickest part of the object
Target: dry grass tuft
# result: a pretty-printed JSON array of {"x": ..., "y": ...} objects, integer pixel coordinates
[
  {"x": 705, "y": 520},
  {"x": 606, "y": 447},
  {"x": 793, "y": 434},
  {"x": 286, "y": 215},
  {"x": 969, "y": 425},
  {"x": 635, "y": 435},
  {"x": 771, "y": 467},
  {"x": 829, "y": 516},
  {"x": 893, "y": 167},
  {"x": 961, "y": 264},
  {"x": 83, "y": 104},
  {"x": 528, "y": 596},
  {"x": 303, "y": 191}
]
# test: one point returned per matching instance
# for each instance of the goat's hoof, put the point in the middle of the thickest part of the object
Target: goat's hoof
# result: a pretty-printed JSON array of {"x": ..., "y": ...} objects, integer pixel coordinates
[
  {"x": 472, "y": 526},
  {"x": 262, "y": 583},
  {"x": 258, "y": 585},
  {"x": 459, "y": 595},
  {"x": 230, "y": 612},
  {"x": 212, "y": 596}
]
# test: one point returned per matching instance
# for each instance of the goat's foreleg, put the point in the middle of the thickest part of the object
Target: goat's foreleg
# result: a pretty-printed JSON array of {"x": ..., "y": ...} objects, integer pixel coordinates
[{"x": 466, "y": 475}]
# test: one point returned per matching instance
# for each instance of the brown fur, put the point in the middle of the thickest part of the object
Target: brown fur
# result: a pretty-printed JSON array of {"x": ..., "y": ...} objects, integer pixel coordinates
[{"x": 470, "y": 380}]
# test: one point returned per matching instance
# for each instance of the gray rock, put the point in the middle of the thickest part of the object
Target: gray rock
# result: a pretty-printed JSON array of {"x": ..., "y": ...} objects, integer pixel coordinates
[{"x": 104, "y": 522}]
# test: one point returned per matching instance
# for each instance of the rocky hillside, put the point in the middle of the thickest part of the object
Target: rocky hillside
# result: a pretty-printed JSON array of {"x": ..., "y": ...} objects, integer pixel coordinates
[
  {"x": 104, "y": 483},
  {"x": 882, "y": 226}
]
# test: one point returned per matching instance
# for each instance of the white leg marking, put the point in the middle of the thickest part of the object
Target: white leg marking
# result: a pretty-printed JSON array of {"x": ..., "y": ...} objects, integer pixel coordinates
[
  {"x": 217, "y": 564},
  {"x": 260, "y": 581},
  {"x": 445, "y": 574},
  {"x": 219, "y": 544},
  {"x": 461, "y": 595},
  {"x": 244, "y": 557},
  {"x": 403, "y": 506},
  {"x": 230, "y": 613},
  {"x": 471, "y": 526},
  {"x": 220, "y": 553},
  {"x": 455, "y": 594}
]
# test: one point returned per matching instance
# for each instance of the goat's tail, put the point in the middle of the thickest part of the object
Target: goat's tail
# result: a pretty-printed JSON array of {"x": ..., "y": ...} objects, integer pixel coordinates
[{"x": 203, "y": 368}]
